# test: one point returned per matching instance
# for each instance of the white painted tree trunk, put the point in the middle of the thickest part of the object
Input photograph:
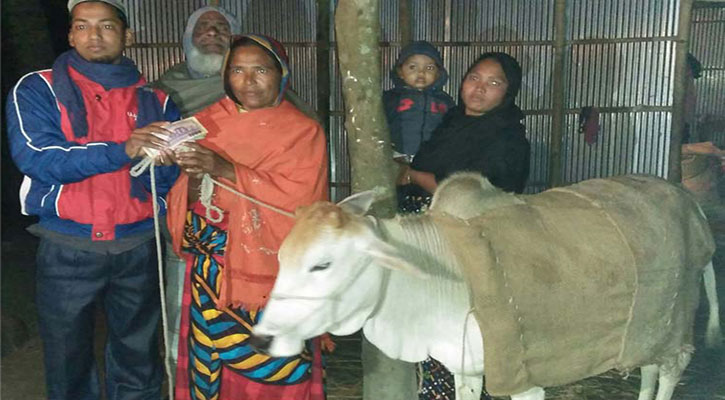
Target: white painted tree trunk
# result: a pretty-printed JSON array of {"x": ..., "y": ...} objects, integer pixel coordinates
[{"x": 357, "y": 27}]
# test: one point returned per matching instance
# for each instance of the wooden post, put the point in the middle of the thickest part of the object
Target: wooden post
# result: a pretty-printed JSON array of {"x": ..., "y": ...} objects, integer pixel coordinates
[
  {"x": 405, "y": 14},
  {"x": 682, "y": 44},
  {"x": 558, "y": 95},
  {"x": 323, "y": 63},
  {"x": 357, "y": 26}
]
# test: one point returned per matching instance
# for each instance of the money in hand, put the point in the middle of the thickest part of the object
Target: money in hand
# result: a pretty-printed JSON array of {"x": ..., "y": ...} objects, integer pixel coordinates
[{"x": 181, "y": 131}]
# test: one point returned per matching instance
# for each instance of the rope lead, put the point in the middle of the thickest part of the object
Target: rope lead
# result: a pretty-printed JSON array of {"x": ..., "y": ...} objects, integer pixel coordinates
[
  {"x": 162, "y": 290},
  {"x": 207, "y": 192}
]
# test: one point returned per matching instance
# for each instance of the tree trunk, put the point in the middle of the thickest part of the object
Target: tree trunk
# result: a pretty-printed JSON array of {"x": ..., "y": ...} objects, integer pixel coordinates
[{"x": 358, "y": 28}]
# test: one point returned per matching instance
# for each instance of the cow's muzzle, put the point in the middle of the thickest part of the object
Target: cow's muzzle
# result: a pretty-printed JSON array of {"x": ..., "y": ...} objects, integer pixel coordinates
[{"x": 261, "y": 343}]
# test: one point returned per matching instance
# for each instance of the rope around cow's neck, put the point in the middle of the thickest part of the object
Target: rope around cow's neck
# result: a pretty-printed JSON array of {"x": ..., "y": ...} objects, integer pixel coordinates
[{"x": 207, "y": 191}]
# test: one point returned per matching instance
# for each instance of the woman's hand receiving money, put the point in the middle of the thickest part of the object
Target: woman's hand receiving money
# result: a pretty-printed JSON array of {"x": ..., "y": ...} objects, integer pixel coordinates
[{"x": 195, "y": 160}]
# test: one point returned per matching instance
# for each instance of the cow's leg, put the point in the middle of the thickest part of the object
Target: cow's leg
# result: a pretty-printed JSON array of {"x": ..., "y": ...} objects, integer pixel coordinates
[
  {"x": 670, "y": 374},
  {"x": 713, "y": 334},
  {"x": 535, "y": 393},
  {"x": 468, "y": 387},
  {"x": 648, "y": 382}
]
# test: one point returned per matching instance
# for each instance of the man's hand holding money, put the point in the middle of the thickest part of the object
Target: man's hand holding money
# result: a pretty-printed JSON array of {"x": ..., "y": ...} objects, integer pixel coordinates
[
  {"x": 152, "y": 136},
  {"x": 158, "y": 140}
]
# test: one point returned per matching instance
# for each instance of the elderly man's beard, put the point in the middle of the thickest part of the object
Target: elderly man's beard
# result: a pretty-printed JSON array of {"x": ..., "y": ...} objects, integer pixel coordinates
[{"x": 204, "y": 64}]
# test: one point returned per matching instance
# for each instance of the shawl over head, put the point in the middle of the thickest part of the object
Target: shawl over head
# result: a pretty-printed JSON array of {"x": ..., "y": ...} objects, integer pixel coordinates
[
  {"x": 273, "y": 48},
  {"x": 280, "y": 158}
]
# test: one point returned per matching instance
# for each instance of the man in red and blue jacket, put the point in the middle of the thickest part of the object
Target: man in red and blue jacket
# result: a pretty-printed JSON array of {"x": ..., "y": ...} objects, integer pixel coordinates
[{"x": 75, "y": 131}]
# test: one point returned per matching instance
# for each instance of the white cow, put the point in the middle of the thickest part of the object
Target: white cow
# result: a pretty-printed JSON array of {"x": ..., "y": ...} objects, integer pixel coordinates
[{"x": 398, "y": 280}]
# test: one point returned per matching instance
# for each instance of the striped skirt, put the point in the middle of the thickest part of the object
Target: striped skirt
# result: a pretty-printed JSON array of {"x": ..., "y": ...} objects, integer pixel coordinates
[{"x": 215, "y": 359}]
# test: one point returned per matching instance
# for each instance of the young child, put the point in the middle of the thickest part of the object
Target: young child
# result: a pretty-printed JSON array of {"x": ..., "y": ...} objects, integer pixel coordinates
[{"x": 414, "y": 107}]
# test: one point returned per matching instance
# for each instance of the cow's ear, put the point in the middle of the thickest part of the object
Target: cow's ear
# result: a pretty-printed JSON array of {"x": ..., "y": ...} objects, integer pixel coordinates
[
  {"x": 388, "y": 256},
  {"x": 358, "y": 203}
]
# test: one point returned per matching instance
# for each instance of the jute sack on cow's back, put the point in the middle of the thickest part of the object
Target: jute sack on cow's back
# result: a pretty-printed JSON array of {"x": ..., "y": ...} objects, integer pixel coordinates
[{"x": 579, "y": 280}]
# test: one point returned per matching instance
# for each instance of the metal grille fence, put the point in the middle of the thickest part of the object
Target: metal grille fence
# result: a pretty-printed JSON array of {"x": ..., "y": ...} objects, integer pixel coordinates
[{"x": 619, "y": 57}]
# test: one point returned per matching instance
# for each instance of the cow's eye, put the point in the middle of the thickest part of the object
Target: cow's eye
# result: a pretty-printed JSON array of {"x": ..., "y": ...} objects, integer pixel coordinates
[{"x": 320, "y": 267}]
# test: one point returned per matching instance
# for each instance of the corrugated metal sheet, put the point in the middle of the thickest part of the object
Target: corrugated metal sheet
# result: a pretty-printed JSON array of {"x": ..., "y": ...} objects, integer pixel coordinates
[
  {"x": 631, "y": 74},
  {"x": 628, "y": 142},
  {"x": 389, "y": 26},
  {"x": 289, "y": 21},
  {"x": 153, "y": 61},
  {"x": 619, "y": 58},
  {"x": 160, "y": 22},
  {"x": 623, "y": 19},
  {"x": 708, "y": 46},
  {"x": 538, "y": 130},
  {"x": 501, "y": 21},
  {"x": 430, "y": 20},
  {"x": 158, "y": 26},
  {"x": 621, "y": 61},
  {"x": 303, "y": 67}
]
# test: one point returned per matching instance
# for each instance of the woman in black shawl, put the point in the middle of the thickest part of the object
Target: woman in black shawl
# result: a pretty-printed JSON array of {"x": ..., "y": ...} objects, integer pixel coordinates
[{"x": 483, "y": 134}]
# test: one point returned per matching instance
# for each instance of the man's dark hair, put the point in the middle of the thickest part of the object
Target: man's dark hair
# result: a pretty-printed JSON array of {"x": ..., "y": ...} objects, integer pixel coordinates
[{"x": 119, "y": 13}]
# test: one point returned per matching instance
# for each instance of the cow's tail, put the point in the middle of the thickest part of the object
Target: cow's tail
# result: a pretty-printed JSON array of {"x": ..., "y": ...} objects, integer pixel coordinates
[{"x": 713, "y": 334}]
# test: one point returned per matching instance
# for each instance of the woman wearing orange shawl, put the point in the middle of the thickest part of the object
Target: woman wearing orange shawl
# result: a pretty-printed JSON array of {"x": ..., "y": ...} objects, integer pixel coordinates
[{"x": 262, "y": 146}]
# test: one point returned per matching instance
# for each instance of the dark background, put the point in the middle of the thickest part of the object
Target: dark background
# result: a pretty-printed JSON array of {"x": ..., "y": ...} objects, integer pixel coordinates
[{"x": 34, "y": 33}]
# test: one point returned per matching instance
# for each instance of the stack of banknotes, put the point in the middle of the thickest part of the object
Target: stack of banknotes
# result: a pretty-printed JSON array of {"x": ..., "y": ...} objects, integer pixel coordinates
[{"x": 179, "y": 132}]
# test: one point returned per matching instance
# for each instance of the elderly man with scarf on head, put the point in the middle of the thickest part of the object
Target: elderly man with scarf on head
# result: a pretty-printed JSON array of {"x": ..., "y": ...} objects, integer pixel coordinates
[
  {"x": 74, "y": 131},
  {"x": 196, "y": 83},
  {"x": 262, "y": 147}
]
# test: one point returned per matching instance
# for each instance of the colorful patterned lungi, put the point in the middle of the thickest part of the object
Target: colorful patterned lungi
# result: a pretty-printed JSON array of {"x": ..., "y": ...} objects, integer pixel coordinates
[{"x": 215, "y": 359}]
